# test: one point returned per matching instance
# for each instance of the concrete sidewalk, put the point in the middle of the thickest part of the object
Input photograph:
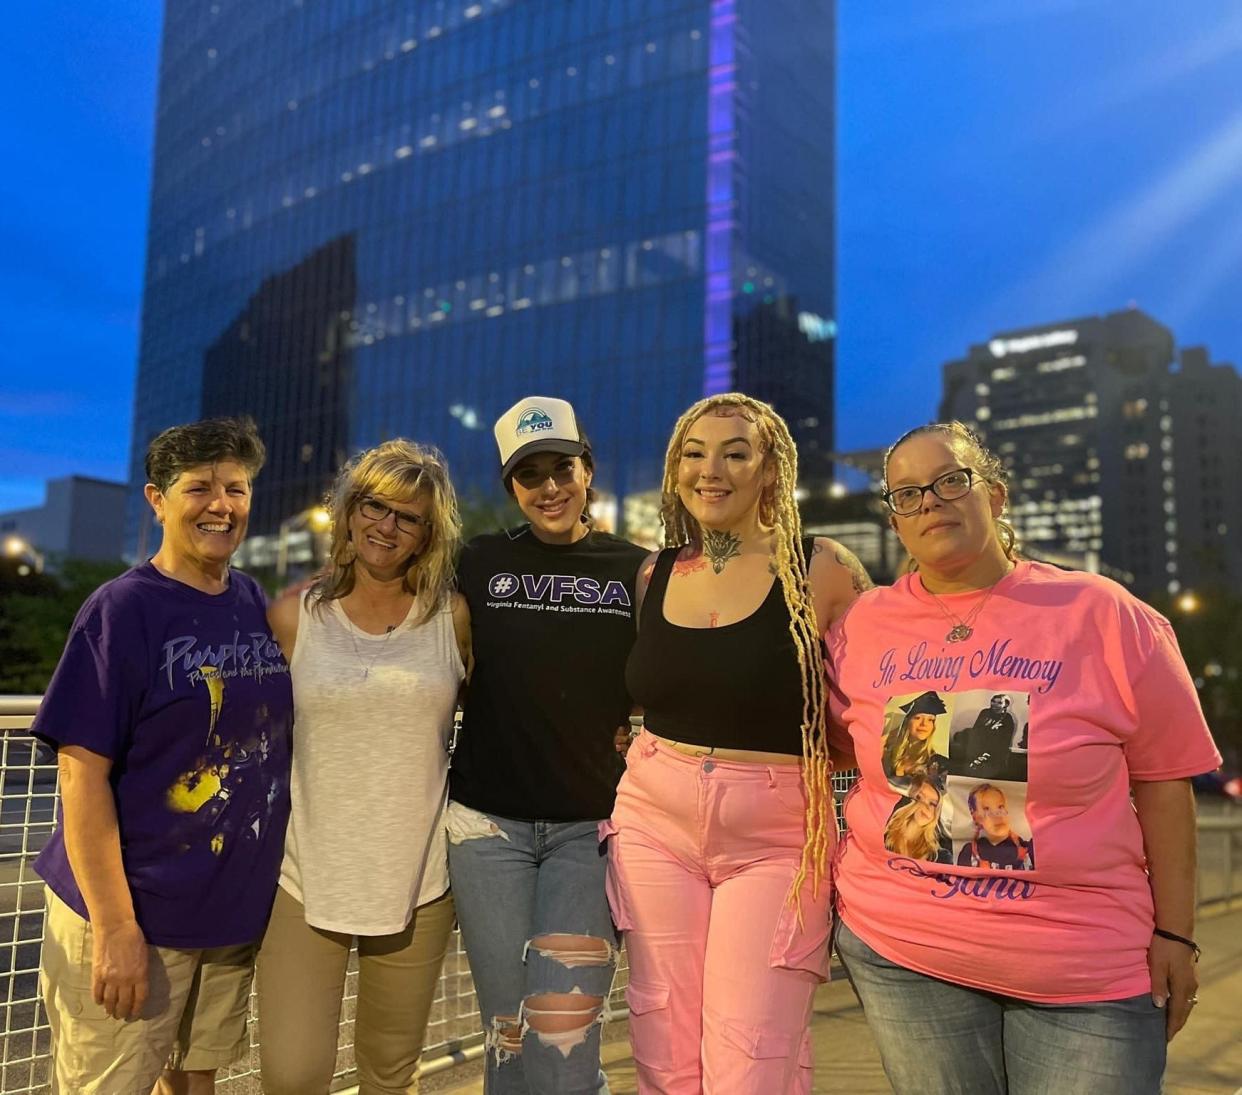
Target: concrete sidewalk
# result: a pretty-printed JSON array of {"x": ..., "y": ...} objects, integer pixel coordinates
[{"x": 1205, "y": 1059}]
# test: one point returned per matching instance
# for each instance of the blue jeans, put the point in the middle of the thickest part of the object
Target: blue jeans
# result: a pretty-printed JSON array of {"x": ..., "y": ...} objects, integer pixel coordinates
[
  {"x": 937, "y": 1036},
  {"x": 518, "y": 881}
]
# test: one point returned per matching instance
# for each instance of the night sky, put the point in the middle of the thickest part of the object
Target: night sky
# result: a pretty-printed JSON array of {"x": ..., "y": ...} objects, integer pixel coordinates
[{"x": 1000, "y": 164}]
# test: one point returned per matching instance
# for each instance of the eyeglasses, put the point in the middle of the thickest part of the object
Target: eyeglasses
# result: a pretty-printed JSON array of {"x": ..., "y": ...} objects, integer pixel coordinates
[
  {"x": 532, "y": 476},
  {"x": 952, "y": 485},
  {"x": 374, "y": 510}
]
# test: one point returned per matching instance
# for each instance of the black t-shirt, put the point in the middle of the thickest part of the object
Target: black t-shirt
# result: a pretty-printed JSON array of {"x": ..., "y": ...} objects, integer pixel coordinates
[{"x": 551, "y": 626}]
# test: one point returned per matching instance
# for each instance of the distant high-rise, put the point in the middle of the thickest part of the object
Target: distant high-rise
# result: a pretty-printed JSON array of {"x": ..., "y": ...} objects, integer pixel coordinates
[
  {"x": 1117, "y": 461},
  {"x": 372, "y": 218},
  {"x": 1206, "y": 408}
]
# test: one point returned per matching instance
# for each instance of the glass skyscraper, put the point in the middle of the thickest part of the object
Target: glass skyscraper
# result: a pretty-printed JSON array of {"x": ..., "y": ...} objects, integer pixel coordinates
[{"x": 373, "y": 218}]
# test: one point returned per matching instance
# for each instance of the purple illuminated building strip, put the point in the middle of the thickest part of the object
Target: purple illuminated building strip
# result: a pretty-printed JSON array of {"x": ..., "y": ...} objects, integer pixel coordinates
[{"x": 721, "y": 157}]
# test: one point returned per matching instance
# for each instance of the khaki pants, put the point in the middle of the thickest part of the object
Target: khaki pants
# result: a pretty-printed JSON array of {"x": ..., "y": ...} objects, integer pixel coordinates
[
  {"x": 194, "y": 1017},
  {"x": 302, "y": 977}
]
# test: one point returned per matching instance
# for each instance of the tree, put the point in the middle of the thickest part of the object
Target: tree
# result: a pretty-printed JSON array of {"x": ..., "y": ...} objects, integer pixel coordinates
[
  {"x": 35, "y": 617},
  {"x": 1208, "y": 624}
]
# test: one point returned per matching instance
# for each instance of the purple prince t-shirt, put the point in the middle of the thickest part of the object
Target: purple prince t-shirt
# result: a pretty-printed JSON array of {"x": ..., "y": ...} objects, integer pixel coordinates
[{"x": 189, "y": 695}]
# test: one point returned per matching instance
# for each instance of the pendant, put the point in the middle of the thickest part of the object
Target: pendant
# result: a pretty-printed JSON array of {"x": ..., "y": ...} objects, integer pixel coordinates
[{"x": 959, "y": 634}]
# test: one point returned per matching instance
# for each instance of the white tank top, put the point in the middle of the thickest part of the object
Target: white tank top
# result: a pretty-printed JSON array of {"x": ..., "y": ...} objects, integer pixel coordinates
[{"x": 372, "y": 719}]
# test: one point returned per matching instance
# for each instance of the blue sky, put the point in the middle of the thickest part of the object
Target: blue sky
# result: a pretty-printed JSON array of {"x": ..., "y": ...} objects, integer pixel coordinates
[{"x": 1000, "y": 164}]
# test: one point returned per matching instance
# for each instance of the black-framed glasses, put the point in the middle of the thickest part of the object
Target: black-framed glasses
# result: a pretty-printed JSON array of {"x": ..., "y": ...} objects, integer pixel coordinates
[
  {"x": 374, "y": 510},
  {"x": 952, "y": 485}
]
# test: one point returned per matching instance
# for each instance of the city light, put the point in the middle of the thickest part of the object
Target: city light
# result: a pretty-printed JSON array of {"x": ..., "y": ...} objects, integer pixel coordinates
[
  {"x": 1188, "y": 603},
  {"x": 1002, "y": 346}
]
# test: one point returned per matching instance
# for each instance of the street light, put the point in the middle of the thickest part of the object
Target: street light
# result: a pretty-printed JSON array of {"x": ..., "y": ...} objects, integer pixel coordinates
[
  {"x": 317, "y": 519},
  {"x": 17, "y": 548},
  {"x": 1188, "y": 603}
]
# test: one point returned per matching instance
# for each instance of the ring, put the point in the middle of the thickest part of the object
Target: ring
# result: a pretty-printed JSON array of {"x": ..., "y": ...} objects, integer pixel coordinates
[{"x": 1193, "y": 1000}]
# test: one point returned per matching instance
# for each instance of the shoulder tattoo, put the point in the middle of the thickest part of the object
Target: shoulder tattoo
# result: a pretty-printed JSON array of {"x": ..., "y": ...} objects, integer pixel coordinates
[
  {"x": 859, "y": 577},
  {"x": 689, "y": 561}
]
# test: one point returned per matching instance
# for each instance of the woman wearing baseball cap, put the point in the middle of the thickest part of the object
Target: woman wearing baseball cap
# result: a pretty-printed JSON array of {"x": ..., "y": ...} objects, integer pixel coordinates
[{"x": 535, "y": 769}]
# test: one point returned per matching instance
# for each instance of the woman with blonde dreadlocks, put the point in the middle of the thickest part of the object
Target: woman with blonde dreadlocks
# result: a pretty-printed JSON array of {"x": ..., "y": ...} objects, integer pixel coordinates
[{"x": 723, "y": 822}]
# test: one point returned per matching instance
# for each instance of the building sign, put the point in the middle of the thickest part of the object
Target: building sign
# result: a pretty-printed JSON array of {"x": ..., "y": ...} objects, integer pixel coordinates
[{"x": 1002, "y": 346}]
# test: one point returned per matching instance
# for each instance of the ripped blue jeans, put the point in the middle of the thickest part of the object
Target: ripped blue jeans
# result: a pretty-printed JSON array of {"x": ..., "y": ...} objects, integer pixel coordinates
[{"x": 535, "y": 923}]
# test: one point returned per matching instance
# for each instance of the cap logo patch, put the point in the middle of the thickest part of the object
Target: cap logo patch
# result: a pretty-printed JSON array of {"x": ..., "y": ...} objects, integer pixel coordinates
[{"x": 533, "y": 421}]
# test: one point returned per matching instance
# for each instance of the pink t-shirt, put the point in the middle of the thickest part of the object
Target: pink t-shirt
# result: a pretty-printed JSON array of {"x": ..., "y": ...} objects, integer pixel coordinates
[{"x": 992, "y": 841}]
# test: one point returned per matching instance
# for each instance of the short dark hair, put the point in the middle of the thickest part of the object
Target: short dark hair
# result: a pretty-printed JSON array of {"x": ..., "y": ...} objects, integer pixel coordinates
[{"x": 205, "y": 442}]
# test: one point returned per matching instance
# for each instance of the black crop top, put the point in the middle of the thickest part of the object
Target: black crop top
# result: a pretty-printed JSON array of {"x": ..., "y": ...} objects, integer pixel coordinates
[{"x": 738, "y": 686}]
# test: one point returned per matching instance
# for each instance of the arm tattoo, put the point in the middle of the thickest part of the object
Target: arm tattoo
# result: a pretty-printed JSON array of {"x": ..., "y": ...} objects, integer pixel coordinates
[
  {"x": 720, "y": 547},
  {"x": 859, "y": 577}
]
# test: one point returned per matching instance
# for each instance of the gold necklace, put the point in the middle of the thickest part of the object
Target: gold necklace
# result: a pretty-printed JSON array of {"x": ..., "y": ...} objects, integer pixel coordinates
[{"x": 961, "y": 629}]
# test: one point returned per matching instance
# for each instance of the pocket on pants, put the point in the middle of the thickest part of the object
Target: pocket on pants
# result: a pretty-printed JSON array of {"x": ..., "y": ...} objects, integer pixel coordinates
[
  {"x": 613, "y": 888},
  {"x": 762, "y": 1045},
  {"x": 650, "y": 1024},
  {"x": 804, "y": 946}
]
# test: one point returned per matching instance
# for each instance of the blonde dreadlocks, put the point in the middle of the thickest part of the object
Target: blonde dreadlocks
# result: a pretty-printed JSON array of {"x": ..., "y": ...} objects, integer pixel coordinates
[{"x": 778, "y": 511}]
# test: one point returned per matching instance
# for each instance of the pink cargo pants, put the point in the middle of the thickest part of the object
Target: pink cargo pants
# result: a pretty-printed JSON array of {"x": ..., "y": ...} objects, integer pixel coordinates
[{"x": 702, "y": 857}]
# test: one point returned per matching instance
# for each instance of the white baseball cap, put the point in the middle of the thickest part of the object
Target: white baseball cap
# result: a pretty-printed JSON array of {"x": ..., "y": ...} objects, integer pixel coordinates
[{"x": 538, "y": 423}]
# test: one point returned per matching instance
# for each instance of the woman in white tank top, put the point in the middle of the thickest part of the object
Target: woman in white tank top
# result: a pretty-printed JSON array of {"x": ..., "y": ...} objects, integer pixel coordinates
[{"x": 377, "y": 650}]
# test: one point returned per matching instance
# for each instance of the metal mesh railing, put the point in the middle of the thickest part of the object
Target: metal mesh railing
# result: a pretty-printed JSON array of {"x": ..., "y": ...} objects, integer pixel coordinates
[
  {"x": 27, "y": 810},
  {"x": 28, "y": 795}
]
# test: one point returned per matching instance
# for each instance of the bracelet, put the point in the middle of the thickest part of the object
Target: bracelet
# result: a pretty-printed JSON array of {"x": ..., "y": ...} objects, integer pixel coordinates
[{"x": 1179, "y": 939}]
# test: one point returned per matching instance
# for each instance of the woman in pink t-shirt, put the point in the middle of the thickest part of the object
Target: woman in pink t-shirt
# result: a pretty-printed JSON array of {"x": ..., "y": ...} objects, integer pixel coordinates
[{"x": 981, "y": 967}]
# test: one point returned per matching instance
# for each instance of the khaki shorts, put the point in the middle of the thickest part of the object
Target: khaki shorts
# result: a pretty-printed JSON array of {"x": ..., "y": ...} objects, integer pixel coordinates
[{"x": 194, "y": 1017}]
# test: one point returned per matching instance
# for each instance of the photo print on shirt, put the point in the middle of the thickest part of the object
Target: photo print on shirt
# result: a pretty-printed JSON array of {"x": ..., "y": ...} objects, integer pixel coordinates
[
  {"x": 988, "y": 824},
  {"x": 915, "y": 757},
  {"x": 959, "y": 762},
  {"x": 988, "y": 734},
  {"x": 916, "y": 737}
]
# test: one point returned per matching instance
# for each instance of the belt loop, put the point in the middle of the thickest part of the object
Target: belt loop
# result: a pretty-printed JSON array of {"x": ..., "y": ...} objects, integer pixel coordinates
[{"x": 771, "y": 776}]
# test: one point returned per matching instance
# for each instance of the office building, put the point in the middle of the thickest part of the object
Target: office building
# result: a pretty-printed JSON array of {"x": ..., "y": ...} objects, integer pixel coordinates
[
  {"x": 372, "y": 218},
  {"x": 81, "y": 518},
  {"x": 1117, "y": 459},
  {"x": 1205, "y": 404}
]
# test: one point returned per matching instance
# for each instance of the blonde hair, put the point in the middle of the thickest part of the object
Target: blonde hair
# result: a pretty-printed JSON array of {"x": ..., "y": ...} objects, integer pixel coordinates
[
  {"x": 924, "y": 842},
  {"x": 902, "y": 747},
  {"x": 778, "y": 511},
  {"x": 395, "y": 469}
]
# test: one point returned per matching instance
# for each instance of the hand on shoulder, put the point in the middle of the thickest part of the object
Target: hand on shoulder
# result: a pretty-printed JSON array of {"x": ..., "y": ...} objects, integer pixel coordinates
[{"x": 282, "y": 618}]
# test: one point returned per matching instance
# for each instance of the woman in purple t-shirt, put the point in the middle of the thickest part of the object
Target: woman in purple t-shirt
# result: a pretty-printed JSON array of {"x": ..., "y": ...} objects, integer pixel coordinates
[{"x": 170, "y": 712}]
